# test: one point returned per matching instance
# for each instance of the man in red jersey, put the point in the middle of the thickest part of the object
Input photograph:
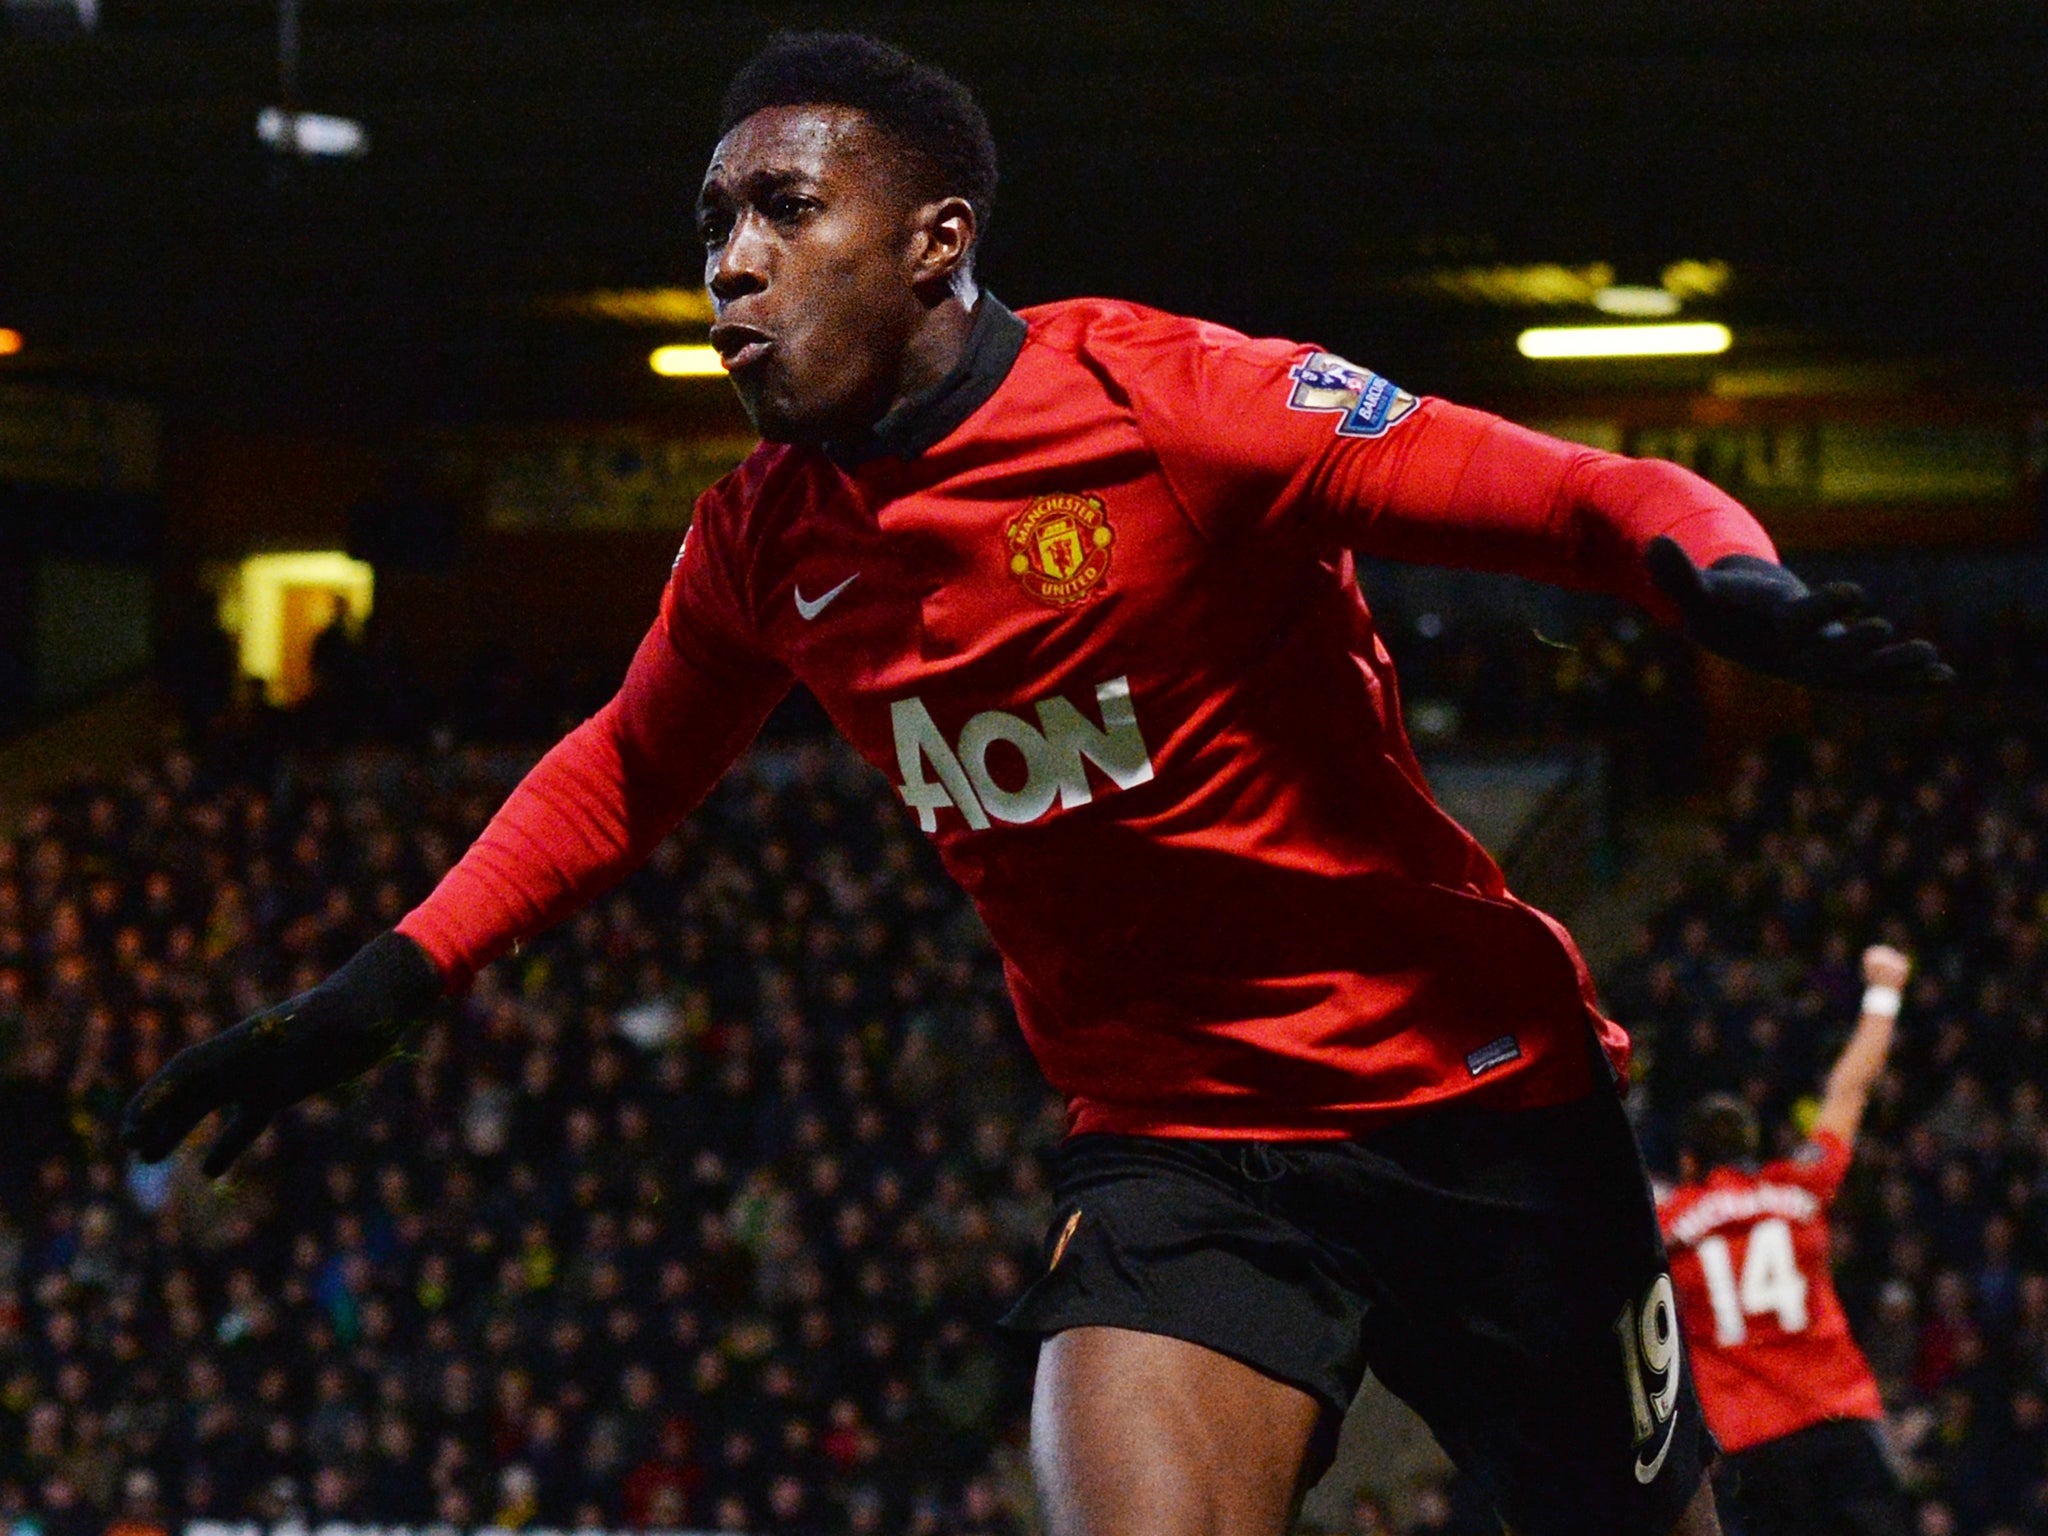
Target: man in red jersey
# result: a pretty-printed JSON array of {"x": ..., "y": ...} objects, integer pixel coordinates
[
  {"x": 1079, "y": 581},
  {"x": 1786, "y": 1391}
]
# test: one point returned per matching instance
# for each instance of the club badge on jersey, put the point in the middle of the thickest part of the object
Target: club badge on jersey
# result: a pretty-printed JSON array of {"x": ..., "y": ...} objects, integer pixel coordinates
[
  {"x": 1059, "y": 548},
  {"x": 1370, "y": 404}
]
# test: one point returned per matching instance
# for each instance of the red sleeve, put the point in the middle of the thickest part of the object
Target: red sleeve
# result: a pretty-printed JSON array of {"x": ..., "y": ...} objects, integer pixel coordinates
[
  {"x": 609, "y": 791},
  {"x": 1258, "y": 434},
  {"x": 592, "y": 809},
  {"x": 1819, "y": 1165}
]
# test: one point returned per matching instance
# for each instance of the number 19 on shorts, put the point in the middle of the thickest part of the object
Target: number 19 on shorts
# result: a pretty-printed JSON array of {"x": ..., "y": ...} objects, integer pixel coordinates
[{"x": 1649, "y": 1355}]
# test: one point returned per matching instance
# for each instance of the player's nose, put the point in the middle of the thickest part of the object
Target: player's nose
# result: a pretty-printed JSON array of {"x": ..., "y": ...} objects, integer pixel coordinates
[{"x": 740, "y": 266}]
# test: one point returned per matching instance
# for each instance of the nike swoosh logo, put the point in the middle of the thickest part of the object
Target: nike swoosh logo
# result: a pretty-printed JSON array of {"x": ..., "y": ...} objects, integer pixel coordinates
[
  {"x": 1646, "y": 1471},
  {"x": 811, "y": 608}
]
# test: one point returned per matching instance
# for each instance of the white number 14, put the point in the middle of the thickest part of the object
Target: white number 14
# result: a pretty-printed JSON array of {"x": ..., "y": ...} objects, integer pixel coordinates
[{"x": 1771, "y": 1281}]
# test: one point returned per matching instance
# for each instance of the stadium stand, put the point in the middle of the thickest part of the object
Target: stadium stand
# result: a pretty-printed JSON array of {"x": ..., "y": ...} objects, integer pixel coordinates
[{"x": 699, "y": 1216}]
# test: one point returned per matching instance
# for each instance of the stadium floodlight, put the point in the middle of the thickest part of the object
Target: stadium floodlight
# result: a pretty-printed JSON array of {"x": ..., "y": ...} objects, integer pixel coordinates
[
  {"x": 10, "y": 342},
  {"x": 314, "y": 135},
  {"x": 309, "y": 135},
  {"x": 1695, "y": 339},
  {"x": 697, "y": 362}
]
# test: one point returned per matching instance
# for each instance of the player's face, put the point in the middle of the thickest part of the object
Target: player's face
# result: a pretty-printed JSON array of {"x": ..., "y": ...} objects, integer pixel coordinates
[{"x": 809, "y": 245}]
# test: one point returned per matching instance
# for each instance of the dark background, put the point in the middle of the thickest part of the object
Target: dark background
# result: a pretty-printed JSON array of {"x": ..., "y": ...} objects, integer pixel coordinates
[{"x": 1876, "y": 172}]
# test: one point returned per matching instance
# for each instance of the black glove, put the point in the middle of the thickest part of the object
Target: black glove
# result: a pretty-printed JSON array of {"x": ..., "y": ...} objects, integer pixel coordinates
[
  {"x": 1763, "y": 616},
  {"x": 271, "y": 1060}
]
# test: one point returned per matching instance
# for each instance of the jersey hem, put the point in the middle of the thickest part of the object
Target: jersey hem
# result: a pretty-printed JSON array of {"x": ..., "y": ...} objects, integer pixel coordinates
[{"x": 1538, "y": 1089}]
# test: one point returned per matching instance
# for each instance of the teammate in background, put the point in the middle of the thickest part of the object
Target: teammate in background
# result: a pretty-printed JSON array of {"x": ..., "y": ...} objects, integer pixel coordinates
[
  {"x": 1079, "y": 581},
  {"x": 1787, "y": 1392}
]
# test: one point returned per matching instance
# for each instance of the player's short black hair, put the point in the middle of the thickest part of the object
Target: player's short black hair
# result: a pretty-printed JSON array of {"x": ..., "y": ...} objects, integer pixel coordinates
[
  {"x": 933, "y": 116},
  {"x": 1720, "y": 1129}
]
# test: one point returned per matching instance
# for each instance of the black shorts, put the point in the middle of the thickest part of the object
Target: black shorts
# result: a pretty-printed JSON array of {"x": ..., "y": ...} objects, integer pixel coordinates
[
  {"x": 1827, "y": 1480},
  {"x": 1501, "y": 1271}
]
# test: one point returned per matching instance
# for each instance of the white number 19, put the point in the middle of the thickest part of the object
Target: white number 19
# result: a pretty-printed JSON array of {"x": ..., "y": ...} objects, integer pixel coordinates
[{"x": 1649, "y": 1354}]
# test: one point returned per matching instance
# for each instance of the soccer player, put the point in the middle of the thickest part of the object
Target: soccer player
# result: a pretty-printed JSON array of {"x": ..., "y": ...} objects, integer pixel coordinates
[
  {"x": 1079, "y": 581},
  {"x": 1786, "y": 1391}
]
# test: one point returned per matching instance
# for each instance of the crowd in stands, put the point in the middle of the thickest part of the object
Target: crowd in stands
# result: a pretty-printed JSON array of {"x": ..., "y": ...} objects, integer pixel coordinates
[
  {"x": 700, "y": 1214},
  {"x": 1935, "y": 842},
  {"x": 1485, "y": 665}
]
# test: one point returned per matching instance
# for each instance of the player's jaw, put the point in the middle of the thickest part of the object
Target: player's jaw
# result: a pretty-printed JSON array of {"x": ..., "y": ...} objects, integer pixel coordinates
[
  {"x": 808, "y": 377},
  {"x": 805, "y": 234}
]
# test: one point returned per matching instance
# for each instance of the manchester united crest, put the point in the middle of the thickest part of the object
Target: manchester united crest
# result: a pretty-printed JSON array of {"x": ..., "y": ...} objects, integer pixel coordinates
[{"x": 1059, "y": 548}]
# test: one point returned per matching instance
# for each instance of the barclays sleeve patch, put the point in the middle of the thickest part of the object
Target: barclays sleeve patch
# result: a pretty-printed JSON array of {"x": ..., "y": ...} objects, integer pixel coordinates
[{"x": 1368, "y": 404}]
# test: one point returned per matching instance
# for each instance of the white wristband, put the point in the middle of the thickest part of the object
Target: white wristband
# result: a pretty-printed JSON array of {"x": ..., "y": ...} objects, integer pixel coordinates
[{"x": 1882, "y": 1001}]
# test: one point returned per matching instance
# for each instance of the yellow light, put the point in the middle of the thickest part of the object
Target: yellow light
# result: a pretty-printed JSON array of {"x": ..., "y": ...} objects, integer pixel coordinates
[
  {"x": 634, "y": 306},
  {"x": 1629, "y": 302},
  {"x": 698, "y": 362},
  {"x": 1546, "y": 283},
  {"x": 1697, "y": 279},
  {"x": 269, "y": 603},
  {"x": 10, "y": 342},
  {"x": 1695, "y": 339}
]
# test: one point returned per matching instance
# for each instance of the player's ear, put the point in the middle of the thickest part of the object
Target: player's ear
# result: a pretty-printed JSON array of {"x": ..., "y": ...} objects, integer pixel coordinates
[{"x": 941, "y": 245}]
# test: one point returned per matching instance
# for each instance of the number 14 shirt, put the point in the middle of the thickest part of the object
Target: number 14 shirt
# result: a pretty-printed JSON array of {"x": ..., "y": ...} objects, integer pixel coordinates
[{"x": 1770, "y": 1346}]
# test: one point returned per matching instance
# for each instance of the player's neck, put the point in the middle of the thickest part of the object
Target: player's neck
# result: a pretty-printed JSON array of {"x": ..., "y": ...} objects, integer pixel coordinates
[
  {"x": 978, "y": 344},
  {"x": 937, "y": 345}
]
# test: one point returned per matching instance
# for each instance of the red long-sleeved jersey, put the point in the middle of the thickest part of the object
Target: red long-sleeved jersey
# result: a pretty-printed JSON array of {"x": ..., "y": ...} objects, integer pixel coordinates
[
  {"x": 1095, "y": 617},
  {"x": 1771, "y": 1349}
]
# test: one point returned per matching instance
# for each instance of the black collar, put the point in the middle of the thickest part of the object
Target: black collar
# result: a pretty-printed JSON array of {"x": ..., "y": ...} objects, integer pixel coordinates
[{"x": 923, "y": 421}]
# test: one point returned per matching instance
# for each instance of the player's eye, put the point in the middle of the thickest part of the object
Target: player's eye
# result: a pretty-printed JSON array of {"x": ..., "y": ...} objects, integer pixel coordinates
[
  {"x": 714, "y": 227},
  {"x": 787, "y": 207}
]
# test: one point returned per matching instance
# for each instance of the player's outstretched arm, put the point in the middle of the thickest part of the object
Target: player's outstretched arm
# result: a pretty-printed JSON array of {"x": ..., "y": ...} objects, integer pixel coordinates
[
  {"x": 1446, "y": 485},
  {"x": 1856, "y": 1070},
  {"x": 1259, "y": 433},
  {"x": 1471, "y": 489},
  {"x": 587, "y": 815}
]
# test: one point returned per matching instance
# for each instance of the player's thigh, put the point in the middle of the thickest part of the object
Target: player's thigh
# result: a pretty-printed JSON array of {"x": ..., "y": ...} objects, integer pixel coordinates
[
  {"x": 1137, "y": 1434},
  {"x": 1702, "y": 1516}
]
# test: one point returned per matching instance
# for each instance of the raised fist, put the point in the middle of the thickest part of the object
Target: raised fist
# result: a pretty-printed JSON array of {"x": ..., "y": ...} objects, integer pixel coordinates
[{"x": 1884, "y": 966}]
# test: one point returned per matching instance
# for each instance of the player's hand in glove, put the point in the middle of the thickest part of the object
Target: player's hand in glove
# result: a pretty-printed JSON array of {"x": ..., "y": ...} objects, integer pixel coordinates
[
  {"x": 318, "y": 1040},
  {"x": 1760, "y": 614}
]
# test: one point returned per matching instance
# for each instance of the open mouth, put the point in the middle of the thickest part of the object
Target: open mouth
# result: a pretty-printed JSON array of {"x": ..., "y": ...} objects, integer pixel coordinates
[{"x": 740, "y": 346}]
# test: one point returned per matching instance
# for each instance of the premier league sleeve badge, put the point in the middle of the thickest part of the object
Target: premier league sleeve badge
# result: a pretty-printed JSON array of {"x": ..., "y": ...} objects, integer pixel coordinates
[{"x": 1369, "y": 404}]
